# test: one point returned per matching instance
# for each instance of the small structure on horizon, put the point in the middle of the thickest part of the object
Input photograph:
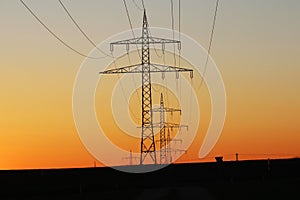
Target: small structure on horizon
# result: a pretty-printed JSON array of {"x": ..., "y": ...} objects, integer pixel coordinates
[{"x": 219, "y": 159}]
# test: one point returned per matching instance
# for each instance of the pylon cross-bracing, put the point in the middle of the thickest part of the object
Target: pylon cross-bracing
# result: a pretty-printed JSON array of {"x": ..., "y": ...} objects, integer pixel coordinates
[
  {"x": 146, "y": 68},
  {"x": 165, "y": 149}
]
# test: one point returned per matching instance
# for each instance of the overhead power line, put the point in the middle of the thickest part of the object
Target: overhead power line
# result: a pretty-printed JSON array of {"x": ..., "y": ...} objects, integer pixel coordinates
[
  {"x": 106, "y": 55},
  {"x": 140, "y": 9},
  {"x": 179, "y": 19},
  {"x": 128, "y": 17},
  {"x": 210, "y": 43},
  {"x": 137, "y": 6},
  {"x": 143, "y": 4},
  {"x": 81, "y": 30},
  {"x": 131, "y": 26},
  {"x": 53, "y": 34},
  {"x": 173, "y": 29},
  {"x": 134, "y": 36}
]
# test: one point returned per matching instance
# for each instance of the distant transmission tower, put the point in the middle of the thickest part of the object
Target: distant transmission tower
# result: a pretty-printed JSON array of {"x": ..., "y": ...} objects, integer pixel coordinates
[
  {"x": 146, "y": 68},
  {"x": 130, "y": 158},
  {"x": 164, "y": 134}
]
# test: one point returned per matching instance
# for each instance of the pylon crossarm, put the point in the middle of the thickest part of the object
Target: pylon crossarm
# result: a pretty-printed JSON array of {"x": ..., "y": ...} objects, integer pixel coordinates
[
  {"x": 145, "y": 68},
  {"x": 156, "y": 40},
  {"x": 165, "y": 110},
  {"x": 171, "y": 110},
  {"x": 124, "y": 70},
  {"x": 177, "y": 150},
  {"x": 168, "y": 125},
  {"x": 174, "y": 125},
  {"x": 139, "y": 40},
  {"x": 138, "y": 69},
  {"x": 165, "y": 68}
]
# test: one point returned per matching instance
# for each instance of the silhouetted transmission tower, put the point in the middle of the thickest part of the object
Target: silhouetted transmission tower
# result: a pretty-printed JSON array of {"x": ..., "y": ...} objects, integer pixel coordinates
[
  {"x": 165, "y": 150},
  {"x": 146, "y": 68},
  {"x": 130, "y": 158}
]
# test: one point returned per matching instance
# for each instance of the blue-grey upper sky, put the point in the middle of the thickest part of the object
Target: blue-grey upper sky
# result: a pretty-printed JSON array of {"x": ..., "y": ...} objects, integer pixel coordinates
[{"x": 256, "y": 47}]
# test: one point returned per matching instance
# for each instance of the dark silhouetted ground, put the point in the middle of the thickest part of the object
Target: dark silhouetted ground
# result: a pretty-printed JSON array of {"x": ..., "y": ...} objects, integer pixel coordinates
[{"x": 255, "y": 179}]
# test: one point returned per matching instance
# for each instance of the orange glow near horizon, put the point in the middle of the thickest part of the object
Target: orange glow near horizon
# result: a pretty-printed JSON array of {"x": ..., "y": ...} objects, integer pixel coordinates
[
  {"x": 119, "y": 138},
  {"x": 257, "y": 59}
]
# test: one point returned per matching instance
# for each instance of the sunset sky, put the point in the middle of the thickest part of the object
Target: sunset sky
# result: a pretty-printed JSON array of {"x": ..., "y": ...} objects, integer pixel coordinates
[{"x": 256, "y": 47}]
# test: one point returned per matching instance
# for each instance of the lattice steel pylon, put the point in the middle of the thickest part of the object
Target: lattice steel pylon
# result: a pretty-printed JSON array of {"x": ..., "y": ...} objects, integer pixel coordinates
[
  {"x": 146, "y": 68},
  {"x": 164, "y": 133},
  {"x": 130, "y": 158}
]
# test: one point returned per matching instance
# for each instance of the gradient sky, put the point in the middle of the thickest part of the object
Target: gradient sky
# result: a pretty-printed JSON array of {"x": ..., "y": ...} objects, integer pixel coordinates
[{"x": 256, "y": 47}]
